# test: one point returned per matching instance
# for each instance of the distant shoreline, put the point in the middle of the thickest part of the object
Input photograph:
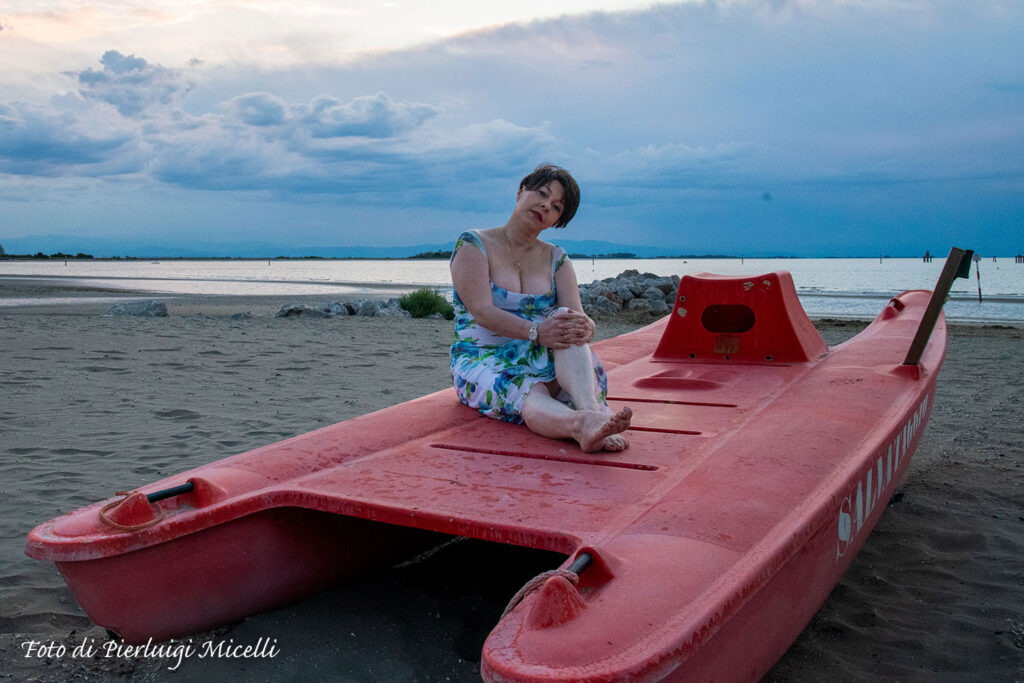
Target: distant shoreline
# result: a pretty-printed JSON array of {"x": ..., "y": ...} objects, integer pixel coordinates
[
  {"x": 418, "y": 257},
  {"x": 415, "y": 257},
  {"x": 68, "y": 295}
]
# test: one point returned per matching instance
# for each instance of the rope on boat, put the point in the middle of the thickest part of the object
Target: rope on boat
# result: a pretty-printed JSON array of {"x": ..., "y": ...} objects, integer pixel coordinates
[
  {"x": 536, "y": 582},
  {"x": 105, "y": 518},
  {"x": 155, "y": 497}
]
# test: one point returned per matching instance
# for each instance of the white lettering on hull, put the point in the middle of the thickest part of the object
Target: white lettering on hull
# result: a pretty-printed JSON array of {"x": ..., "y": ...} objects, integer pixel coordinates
[{"x": 876, "y": 481}]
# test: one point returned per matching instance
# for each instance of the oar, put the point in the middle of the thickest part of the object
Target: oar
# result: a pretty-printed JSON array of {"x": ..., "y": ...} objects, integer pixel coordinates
[{"x": 958, "y": 264}]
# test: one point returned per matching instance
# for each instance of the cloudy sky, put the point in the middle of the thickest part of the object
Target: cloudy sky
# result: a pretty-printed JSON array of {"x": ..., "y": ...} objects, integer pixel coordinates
[{"x": 802, "y": 127}]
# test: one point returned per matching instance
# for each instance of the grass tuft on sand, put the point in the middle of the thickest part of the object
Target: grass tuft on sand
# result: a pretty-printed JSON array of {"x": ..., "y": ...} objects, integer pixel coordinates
[{"x": 426, "y": 301}]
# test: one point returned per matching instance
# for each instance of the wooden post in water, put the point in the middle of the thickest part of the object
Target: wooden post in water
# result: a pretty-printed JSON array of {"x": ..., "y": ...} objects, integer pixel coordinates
[{"x": 977, "y": 271}]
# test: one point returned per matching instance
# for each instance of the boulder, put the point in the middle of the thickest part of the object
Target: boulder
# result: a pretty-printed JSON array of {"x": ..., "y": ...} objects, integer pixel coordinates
[
  {"x": 368, "y": 307},
  {"x": 624, "y": 293},
  {"x": 338, "y": 308},
  {"x": 636, "y": 286},
  {"x": 654, "y": 294},
  {"x": 639, "y": 305},
  {"x": 603, "y": 289},
  {"x": 602, "y": 306},
  {"x": 142, "y": 309},
  {"x": 293, "y": 310},
  {"x": 659, "y": 307},
  {"x": 381, "y": 309},
  {"x": 668, "y": 285},
  {"x": 393, "y": 312}
]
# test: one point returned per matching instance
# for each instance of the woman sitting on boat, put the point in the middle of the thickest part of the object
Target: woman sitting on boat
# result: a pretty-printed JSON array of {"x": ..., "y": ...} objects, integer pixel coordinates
[{"x": 521, "y": 351}]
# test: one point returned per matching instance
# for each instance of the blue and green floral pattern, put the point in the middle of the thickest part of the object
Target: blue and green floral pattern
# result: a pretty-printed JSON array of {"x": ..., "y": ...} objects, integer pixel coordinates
[{"x": 492, "y": 373}]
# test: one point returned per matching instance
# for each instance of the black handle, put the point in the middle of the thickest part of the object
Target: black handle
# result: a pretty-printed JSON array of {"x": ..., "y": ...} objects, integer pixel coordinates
[
  {"x": 170, "y": 493},
  {"x": 580, "y": 563}
]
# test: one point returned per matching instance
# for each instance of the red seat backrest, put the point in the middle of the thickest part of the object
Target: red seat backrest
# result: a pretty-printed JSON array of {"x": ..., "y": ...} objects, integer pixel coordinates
[{"x": 756, "y": 318}]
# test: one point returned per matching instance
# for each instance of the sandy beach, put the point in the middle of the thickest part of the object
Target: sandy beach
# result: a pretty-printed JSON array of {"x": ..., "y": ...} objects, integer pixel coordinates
[{"x": 92, "y": 404}]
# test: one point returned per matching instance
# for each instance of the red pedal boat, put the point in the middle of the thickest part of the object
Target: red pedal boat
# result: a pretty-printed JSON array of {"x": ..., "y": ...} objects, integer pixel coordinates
[{"x": 759, "y": 461}]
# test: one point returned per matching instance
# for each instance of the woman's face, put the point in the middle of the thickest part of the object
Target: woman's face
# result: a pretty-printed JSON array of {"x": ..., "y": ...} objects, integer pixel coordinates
[{"x": 542, "y": 206}]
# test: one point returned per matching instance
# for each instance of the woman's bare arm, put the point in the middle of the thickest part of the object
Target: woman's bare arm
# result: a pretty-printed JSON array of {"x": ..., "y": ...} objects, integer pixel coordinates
[
  {"x": 569, "y": 297},
  {"x": 471, "y": 278}
]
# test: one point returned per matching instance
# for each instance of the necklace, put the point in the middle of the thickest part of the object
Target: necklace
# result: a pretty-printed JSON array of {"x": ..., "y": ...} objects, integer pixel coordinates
[{"x": 512, "y": 251}]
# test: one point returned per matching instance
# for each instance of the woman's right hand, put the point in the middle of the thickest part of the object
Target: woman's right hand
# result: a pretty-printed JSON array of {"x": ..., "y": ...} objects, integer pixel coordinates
[{"x": 563, "y": 329}]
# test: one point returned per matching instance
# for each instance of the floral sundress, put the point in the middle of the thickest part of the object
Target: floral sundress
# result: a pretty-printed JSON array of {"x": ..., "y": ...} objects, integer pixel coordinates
[{"x": 492, "y": 373}]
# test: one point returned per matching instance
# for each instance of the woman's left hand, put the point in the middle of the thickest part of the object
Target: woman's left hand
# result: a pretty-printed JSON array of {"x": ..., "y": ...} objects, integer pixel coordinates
[
  {"x": 568, "y": 328},
  {"x": 588, "y": 328}
]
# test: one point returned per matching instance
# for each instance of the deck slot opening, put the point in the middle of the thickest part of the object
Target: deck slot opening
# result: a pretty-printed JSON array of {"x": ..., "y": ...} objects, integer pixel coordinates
[
  {"x": 582, "y": 460},
  {"x": 672, "y": 402},
  {"x": 665, "y": 430}
]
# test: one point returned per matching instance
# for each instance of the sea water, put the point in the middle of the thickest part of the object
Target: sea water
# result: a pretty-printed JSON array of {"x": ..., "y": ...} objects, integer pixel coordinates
[{"x": 847, "y": 288}]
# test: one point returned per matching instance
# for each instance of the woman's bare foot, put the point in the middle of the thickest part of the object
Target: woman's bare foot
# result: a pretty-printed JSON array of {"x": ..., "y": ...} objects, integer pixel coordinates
[
  {"x": 593, "y": 428},
  {"x": 615, "y": 443}
]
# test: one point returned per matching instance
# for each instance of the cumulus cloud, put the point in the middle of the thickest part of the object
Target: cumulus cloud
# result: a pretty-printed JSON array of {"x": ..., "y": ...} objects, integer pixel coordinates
[
  {"x": 118, "y": 63},
  {"x": 286, "y": 158},
  {"x": 37, "y": 141},
  {"x": 372, "y": 116},
  {"x": 128, "y": 117},
  {"x": 369, "y": 116},
  {"x": 259, "y": 109},
  {"x": 132, "y": 85}
]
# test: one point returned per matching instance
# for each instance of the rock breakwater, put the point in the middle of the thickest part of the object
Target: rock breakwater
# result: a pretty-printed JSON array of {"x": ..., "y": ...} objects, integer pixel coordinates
[
  {"x": 375, "y": 308},
  {"x": 630, "y": 294},
  {"x": 635, "y": 294}
]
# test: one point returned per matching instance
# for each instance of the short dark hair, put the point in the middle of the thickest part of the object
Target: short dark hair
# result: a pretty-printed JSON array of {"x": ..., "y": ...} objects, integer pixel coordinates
[{"x": 544, "y": 175}]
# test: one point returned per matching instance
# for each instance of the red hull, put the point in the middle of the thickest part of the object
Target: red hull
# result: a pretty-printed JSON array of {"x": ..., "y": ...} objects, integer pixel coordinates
[{"x": 759, "y": 462}]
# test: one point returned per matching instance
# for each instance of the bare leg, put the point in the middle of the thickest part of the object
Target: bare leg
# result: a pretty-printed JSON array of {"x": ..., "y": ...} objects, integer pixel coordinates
[
  {"x": 592, "y": 429},
  {"x": 574, "y": 372}
]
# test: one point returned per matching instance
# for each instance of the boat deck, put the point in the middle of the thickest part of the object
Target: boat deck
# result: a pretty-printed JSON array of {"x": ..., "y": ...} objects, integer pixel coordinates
[
  {"x": 758, "y": 461},
  {"x": 498, "y": 482}
]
